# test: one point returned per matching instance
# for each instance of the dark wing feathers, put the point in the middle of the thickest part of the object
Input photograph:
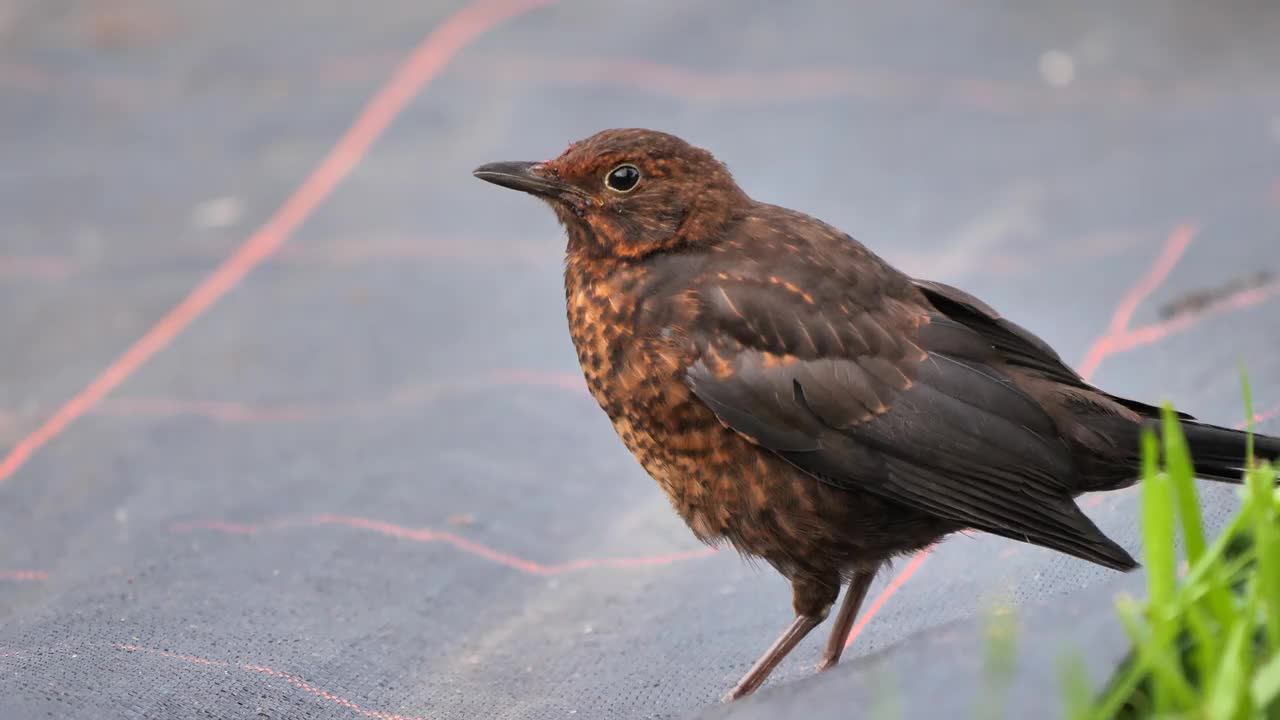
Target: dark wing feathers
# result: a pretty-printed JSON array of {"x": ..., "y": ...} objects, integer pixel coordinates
[
  {"x": 1016, "y": 344},
  {"x": 917, "y": 413},
  {"x": 756, "y": 406}
]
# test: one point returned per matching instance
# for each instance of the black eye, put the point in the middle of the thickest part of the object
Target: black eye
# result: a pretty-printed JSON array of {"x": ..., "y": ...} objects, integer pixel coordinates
[{"x": 622, "y": 178}]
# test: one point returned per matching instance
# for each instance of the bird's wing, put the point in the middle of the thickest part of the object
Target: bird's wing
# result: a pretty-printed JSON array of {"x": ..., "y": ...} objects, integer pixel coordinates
[
  {"x": 1016, "y": 345},
  {"x": 886, "y": 395}
]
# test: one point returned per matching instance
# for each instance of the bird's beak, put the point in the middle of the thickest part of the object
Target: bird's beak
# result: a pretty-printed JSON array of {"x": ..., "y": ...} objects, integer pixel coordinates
[{"x": 525, "y": 177}]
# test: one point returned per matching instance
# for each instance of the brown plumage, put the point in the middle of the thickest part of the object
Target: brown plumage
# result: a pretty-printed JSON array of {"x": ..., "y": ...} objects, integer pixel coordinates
[{"x": 799, "y": 398}]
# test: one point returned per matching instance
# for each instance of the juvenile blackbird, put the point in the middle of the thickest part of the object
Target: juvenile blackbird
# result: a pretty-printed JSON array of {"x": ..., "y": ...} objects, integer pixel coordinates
[{"x": 799, "y": 398}]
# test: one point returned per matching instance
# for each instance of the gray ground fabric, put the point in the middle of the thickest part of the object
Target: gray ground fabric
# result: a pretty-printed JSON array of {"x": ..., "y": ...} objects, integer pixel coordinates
[{"x": 367, "y": 481}]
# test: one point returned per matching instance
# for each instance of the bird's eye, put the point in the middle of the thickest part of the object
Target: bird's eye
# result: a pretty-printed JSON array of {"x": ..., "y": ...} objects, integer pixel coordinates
[{"x": 622, "y": 178}]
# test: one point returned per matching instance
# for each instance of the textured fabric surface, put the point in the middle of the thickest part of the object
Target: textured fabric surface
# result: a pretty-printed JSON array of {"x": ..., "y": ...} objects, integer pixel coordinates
[{"x": 357, "y": 475}]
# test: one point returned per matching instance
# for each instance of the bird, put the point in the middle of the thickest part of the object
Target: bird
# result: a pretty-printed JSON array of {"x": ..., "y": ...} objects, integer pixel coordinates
[{"x": 805, "y": 402}]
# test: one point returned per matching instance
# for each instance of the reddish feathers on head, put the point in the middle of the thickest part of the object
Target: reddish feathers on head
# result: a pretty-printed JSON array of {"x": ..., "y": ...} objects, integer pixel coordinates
[
  {"x": 631, "y": 192},
  {"x": 631, "y": 144}
]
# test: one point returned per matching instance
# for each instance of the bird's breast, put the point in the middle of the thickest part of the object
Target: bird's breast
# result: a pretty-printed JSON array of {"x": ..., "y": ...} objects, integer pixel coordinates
[
  {"x": 633, "y": 362},
  {"x": 630, "y": 347}
]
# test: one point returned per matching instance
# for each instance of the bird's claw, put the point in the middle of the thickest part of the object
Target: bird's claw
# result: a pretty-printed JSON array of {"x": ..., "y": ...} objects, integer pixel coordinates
[{"x": 737, "y": 692}]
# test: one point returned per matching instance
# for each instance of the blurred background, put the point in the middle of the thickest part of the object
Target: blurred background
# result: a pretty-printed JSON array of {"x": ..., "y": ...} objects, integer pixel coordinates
[{"x": 290, "y": 421}]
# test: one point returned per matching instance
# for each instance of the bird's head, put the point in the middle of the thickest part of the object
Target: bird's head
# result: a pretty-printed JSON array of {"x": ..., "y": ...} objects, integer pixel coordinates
[{"x": 629, "y": 193}]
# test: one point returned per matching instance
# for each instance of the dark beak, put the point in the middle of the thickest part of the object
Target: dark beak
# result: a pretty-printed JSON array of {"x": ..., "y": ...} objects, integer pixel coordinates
[{"x": 523, "y": 176}]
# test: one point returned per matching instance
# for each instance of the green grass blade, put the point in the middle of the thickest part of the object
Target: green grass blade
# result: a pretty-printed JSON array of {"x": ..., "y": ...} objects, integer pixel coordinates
[
  {"x": 1206, "y": 649},
  {"x": 1266, "y": 685},
  {"x": 1181, "y": 473},
  {"x": 1157, "y": 527},
  {"x": 1001, "y": 661},
  {"x": 1122, "y": 688},
  {"x": 1202, "y": 570},
  {"x": 1171, "y": 687},
  {"x": 1230, "y": 679},
  {"x": 1239, "y": 567},
  {"x": 1161, "y": 560},
  {"x": 1120, "y": 693},
  {"x": 1076, "y": 690},
  {"x": 1266, "y": 539}
]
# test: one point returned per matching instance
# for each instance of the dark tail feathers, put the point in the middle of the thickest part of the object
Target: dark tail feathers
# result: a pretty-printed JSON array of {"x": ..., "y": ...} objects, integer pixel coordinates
[{"x": 1220, "y": 453}]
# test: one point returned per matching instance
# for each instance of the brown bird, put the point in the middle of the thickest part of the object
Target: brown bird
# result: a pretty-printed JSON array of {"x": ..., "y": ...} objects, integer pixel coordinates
[{"x": 799, "y": 398}]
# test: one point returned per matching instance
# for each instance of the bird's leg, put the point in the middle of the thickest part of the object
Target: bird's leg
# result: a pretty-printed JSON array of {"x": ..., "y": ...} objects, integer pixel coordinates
[
  {"x": 812, "y": 601},
  {"x": 756, "y": 676},
  {"x": 853, "y": 598}
]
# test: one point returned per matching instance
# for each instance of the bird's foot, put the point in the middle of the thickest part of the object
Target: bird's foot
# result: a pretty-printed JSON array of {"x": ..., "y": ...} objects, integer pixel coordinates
[{"x": 738, "y": 691}]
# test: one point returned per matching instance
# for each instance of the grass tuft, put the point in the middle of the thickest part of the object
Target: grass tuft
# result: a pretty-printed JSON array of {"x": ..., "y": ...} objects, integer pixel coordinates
[{"x": 1206, "y": 643}]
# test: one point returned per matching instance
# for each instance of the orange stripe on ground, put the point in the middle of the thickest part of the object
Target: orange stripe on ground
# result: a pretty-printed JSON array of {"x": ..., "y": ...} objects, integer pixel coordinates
[{"x": 423, "y": 65}]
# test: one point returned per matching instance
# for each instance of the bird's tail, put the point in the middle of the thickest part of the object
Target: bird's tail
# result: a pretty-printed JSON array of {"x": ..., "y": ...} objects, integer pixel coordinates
[{"x": 1220, "y": 453}]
